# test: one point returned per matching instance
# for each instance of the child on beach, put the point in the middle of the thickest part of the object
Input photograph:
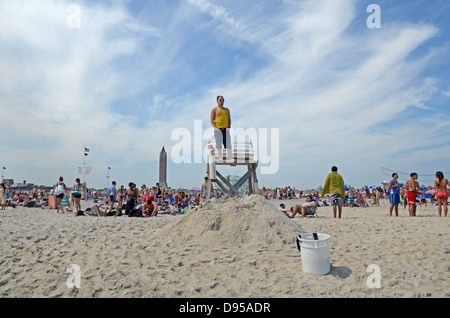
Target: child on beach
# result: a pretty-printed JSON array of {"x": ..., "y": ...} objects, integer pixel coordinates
[
  {"x": 412, "y": 190},
  {"x": 441, "y": 184}
]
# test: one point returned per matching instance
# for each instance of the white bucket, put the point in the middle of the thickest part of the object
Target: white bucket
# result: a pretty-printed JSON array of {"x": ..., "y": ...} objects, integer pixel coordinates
[{"x": 315, "y": 251}]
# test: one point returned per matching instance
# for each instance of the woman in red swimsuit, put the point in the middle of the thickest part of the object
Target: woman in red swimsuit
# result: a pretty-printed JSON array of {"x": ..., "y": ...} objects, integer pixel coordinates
[{"x": 440, "y": 184}]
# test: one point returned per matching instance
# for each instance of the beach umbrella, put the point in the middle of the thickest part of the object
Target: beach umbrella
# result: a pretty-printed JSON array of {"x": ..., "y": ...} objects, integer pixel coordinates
[{"x": 194, "y": 189}]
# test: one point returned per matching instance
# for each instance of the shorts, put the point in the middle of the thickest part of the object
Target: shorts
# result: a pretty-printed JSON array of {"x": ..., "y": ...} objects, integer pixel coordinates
[
  {"x": 112, "y": 198},
  {"x": 91, "y": 213},
  {"x": 60, "y": 196},
  {"x": 336, "y": 199},
  {"x": 411, "y": 198},
  {"x": 222, "y": 137},
  {"x": 394, "y": 199},
  {"x": 77, "y": 196},
  {"x": 310, "y": 211}
]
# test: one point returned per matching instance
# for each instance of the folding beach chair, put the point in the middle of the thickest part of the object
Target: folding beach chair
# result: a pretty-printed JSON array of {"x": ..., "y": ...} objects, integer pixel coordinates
[{"x": 312, "y": 214}]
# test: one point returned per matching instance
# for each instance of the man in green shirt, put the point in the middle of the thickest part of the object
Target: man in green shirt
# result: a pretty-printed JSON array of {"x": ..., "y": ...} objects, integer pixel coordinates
[{"x": 334, "y": 185}]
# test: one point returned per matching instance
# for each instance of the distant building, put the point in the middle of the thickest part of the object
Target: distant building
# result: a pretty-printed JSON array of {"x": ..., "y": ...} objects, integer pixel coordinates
[
  {"x": 163, "y": 168},
  {"x": 8, "y": 182}
]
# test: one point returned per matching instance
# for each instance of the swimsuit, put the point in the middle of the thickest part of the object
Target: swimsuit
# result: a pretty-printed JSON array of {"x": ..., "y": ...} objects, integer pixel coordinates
[
  {"x": 3, "y": 197},
  {"x": 336, "y": 199},
  {"x": 411, "y": 197},
  {"x": 442, "y": 194}
]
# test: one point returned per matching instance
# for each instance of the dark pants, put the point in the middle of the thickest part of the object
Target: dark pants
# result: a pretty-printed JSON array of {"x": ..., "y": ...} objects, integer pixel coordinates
[{"x": 130, "y": 206}]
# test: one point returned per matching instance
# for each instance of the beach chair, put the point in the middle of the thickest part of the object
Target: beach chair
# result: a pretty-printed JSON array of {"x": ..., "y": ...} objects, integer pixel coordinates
[{"x": 312, "y": 214}]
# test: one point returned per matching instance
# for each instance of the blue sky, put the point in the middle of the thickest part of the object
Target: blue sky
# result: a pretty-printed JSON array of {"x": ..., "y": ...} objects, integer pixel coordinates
[{"x": 339, "y": 93}]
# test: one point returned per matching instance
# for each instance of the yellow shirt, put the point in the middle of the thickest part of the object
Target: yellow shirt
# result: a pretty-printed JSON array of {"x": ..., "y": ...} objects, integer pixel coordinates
[{"x": 221, "y": 119}]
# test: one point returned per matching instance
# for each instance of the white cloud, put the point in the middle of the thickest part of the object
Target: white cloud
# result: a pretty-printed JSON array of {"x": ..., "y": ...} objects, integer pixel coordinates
[{"x": 337, "y": 95}]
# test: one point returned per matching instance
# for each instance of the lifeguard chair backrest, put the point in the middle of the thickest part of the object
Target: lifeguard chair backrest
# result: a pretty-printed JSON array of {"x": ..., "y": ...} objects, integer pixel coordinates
[{"x": 243, "y": 151}]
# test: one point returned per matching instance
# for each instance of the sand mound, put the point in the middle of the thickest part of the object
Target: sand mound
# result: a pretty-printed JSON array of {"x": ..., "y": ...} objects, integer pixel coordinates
[{"x": 250, "y": 221}]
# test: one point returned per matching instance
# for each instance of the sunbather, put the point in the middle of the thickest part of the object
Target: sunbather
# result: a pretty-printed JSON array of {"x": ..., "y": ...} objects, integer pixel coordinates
[{"x": 309, "y": 208}]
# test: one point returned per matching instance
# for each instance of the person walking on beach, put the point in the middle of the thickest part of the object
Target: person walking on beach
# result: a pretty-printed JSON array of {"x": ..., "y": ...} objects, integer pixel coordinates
[
  {"x": 112, "y": 193},
  {"x": 76, "y": 194},
  {"x": 412, "y": 190},
  {"x": 221, "y": 121},
  {"x": 3, "y": 196},
  {"x": 334, "y": 185},
  {"x": 394, "y": 194},
  {"x": 441, "y": 184},
  {"x": 59, "y": 190}
]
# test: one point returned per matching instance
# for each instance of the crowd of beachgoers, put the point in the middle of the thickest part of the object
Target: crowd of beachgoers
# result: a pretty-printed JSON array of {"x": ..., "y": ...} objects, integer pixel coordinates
[{"x": 180, "y": 200}]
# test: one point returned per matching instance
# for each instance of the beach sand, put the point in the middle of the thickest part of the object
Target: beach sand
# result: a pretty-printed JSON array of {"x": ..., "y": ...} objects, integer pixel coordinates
[{"x": 237, "y": 248}]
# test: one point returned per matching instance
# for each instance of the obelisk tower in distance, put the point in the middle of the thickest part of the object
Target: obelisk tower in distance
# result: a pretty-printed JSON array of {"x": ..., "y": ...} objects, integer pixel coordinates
[{"x": 163, "y": 168}]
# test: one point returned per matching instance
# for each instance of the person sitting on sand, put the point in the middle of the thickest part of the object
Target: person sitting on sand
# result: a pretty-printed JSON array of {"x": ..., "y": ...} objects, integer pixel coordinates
[
  {"x": 264, "y": 192},
  {"x": 150, "y": 207},
  {"x": 309, "y": 208}
]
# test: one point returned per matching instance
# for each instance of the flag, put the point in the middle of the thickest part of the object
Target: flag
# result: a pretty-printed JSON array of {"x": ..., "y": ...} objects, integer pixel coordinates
[{"x": 86, "y": 149}]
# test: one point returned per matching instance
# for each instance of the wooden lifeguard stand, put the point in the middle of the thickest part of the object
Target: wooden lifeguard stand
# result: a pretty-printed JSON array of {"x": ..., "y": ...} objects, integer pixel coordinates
[{"x": 243, "y": 155}]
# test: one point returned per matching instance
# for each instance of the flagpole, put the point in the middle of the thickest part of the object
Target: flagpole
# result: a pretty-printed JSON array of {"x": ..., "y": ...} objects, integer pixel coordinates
[
  {"x": 107, "y": 179},
  {"x": 84, "y": 166}
]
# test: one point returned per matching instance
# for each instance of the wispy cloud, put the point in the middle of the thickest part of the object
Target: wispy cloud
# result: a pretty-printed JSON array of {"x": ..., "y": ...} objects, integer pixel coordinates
[{"x": 339, "y": 92}]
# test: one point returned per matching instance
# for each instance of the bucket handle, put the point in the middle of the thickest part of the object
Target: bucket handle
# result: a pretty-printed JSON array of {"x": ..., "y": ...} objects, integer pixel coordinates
[{"x": 316, "y": 238}]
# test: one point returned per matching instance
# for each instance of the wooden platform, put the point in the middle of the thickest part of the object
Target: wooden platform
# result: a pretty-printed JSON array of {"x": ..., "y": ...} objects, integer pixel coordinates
[{"x": 243, "y": 155}]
